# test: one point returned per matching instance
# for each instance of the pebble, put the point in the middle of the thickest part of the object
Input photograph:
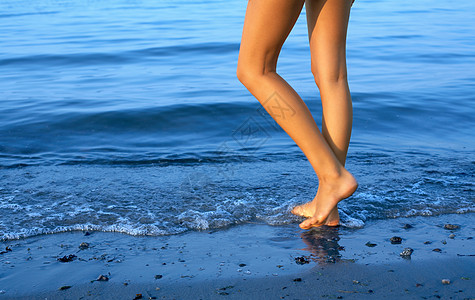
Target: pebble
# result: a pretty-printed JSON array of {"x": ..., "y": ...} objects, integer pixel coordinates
[
  {"x": 445, "y": 281},
  {"x": 437, "y": 250},
  {"x": 427, "y": 242},
  {"x": 2, "y": 291},
  {"x": 407, "y": 252},
  {"x": 451, "y": 236},
  {"x": 395, "y": 240},
  {"x": 87, "y": 233},
  {"x": 67, "y": 258},
  {"x": 369, "y": 244},
  {"x": 158, "y": 276},
  {"x": 7, "y": 249},
  {"x": 301, "y": 260},
  {"x": 242, "y": 265},
  {"x": 102, "y": 278},
  {"x": 407, "y": 226},
  {"x": 138, "y": 296},
  {"x": 83, "y": 246},
  {"x": 64, "y": 287},
  {"x": 443, "y": 242},
  {"x": 247, "y": 272},
  {"x": 451, "y": 226},
  {"x": 298, "y": 279}
]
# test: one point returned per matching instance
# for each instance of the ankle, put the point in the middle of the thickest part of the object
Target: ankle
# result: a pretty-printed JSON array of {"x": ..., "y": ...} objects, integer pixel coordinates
[{"x": 332, "y": 176}]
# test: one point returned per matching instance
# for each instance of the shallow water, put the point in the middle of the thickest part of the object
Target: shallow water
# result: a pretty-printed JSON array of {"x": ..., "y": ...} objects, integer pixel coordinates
[{"x": 127, "y": 116}]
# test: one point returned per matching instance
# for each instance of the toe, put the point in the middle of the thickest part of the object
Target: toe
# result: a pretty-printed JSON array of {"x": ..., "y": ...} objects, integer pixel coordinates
[{"x": 309, "y": 223}]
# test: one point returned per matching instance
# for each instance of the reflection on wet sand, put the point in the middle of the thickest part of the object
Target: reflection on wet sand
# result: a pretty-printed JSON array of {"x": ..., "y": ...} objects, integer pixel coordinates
[{"x": 322, "y": 243}]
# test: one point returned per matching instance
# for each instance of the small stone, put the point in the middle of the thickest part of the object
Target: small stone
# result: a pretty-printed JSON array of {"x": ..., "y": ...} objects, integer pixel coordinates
[
  {"x": 369, "y": 244},
  {"x": 370, "y": 291},
  {"x": 2, "y": 291},
  {"x": 427, "y": 242},
  {"x": 443, "y": 242},
  {"x": 102, "y": 278},
  {"x": 437, "y": 250},
  {"x": 451, "y": 236},
  {"x": 419, "y": 284},
  {"x": 64, "y": 287},
  {"x": 239, "y": 270},
  {"x": 87, "y": 233},
  {"x": 451, "y": 226},
  {"x": 280, "y": 266},
  {"x": 83, "y": 246},
  {"x": 138, "y": 296},
  {"x": 395, "y": 240},
  {"x": 158, "y": 276},
  {"x": 407, "y": 226},
  {"x": 356, "y": 282},
  {"x": 298, "y": 279},
  {"x": 301, "y": 260},
  {"x": 247, "y": 272},
  {"x": 67, "y": 258},
  {"x": 445, "y": 281},
  {"x": 407, "y": 252},
  {"x": 465, "y": 278},
  {"x": 242, "y": 265}
]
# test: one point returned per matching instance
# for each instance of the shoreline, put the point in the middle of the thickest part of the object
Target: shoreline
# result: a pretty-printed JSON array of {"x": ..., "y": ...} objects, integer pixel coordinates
[{"x": 247, "y": 260}]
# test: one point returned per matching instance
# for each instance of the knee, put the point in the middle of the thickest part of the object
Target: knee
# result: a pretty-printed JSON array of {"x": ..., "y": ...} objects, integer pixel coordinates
[
  {"x": 246, "y": 74},
  {"x": 251, "y": 73},
  {"x": 329, "y": 77}
]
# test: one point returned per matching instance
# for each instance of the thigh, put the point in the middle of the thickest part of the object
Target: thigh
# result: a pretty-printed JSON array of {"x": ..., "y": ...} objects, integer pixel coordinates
[
  {"x": 266, "y": 26},
  {"x": 327, "y": 22}
]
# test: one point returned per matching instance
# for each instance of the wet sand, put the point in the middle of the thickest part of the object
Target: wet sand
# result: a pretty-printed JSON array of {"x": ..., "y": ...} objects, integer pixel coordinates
[{"x": 251, "y": 261}]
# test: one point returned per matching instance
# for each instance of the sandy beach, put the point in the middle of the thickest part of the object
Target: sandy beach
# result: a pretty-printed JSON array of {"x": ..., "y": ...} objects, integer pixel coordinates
[{"x": 252, "y": 261}]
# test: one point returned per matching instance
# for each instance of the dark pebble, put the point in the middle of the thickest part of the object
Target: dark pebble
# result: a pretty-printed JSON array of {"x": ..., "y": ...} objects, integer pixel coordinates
[
  {"x": 138, "y": 296},
  {"x": 419, "y": 284},
  {"x": 451, "y": 236},
  {"x": 223, "y": 293},
  {"x": 407, "y": 252},
  {"x": 7, "y": 249},
  {"x": 158, "y": 276},
  {"x": 64, "y": 287},
  {"x": 242, "y": 265},
  {"x": 407, "y": 226},
  {"x": 469, "y": 238},
  {"x": 427, "y": 242},
  {"x": 437, "y": 250},
  {"x": 370, "y": 291},
  {"x": 87, "y": 233},
  {"x": 67, "y": 258},
  {"x": 298, "y": 279},
  {"x": 301, "y": 260},
  {"x": 395, "y": 240},
  {"x": 451, "y": 226},
  {"x": 369, "y": 244}
]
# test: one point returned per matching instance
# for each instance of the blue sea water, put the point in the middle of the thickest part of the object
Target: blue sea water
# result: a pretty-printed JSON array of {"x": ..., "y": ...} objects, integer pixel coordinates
[{"x": 127, "y": 116}]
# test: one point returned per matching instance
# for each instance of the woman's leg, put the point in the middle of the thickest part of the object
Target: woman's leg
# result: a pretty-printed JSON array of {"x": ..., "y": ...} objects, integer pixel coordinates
[
  {"x": 327, "y": 22},
  {"x": 266, "y": 26}
]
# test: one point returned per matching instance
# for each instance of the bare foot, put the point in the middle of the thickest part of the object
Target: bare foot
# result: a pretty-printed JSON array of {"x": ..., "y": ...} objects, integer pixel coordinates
[
  {"x": 308, "y": 209},
  {"x": 328, "y": 195}
]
